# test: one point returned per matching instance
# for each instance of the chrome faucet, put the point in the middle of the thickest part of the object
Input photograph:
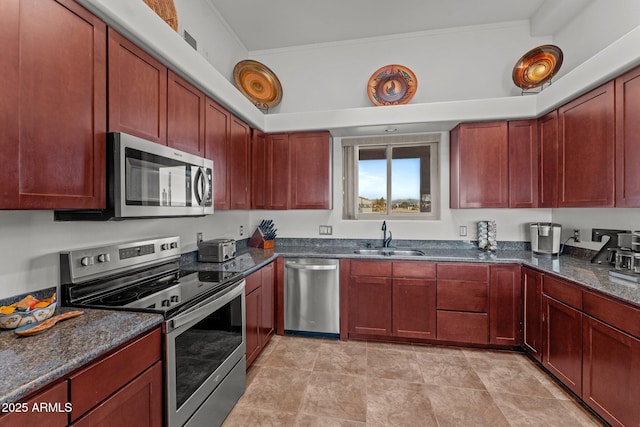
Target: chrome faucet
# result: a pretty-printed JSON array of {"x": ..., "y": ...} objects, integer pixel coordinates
[{"x": 385, "y": 241}]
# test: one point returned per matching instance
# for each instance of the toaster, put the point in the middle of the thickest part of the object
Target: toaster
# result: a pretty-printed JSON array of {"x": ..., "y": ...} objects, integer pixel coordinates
[{"x": 216, "y": 250}]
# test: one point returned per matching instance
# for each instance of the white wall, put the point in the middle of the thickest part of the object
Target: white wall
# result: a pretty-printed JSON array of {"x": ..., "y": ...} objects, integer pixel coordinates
[
  {"x": 31, "y": 241},
  {"x": 215, "y": 40},
  {"x": 461, "y": 63}
]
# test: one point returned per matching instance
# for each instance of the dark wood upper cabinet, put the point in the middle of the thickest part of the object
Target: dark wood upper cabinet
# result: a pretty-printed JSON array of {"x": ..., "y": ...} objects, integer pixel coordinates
[
  {"x": 137, "y": 91},
  {"x": 53, "y": 107},
  {"x": 548, "y": 168},
  {"x": 479, "y": 158},
  {"x": 239, "y": 165},
  {"x": 310, "y": 173},
  {"x": 523, "y": 163},
  {"x": 259, "y": 166},
  {"x": 217, "y": 121},
  {"x": 185, "y": 115},
  {"x": 587, "y": 143},
  {"x": 628, "y": 139}
]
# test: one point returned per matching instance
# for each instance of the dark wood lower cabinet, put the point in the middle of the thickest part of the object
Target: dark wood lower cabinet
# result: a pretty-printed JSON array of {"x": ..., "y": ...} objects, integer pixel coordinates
[
  {"x": 462, "y": 326},
  {"x": 532, "y": 312},
  {"x": 563, "y": 343},
  {"x": 611, "y": 373},
  {"x": 138, "y": 404},
  {"x": 414, "y": 314},
  {"x": 505, "y": 305},
  {"x": 56, "y": 394},
  {"x": 370, "y": 306},
  {"x": 259, "y": 311}
]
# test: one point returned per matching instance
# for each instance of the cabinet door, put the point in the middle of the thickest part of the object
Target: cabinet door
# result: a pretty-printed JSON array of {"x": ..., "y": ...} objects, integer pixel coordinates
[
  {"x": 523, "y": 164},
  {"x": 563, "y": 343},
  {"x": 532, "y": 295},
  {"x": 268, "y": 315},
  {"x": 277, "y": 172},
  {"x": 548, "y": 182},
  {"x": 56, "y": 395},
  {"x": 479, "y": 165},
  {"x": 253, "y": 317},
  {"x": 505, "y": 305},
  {"x": 185, "y": 115},
  {"x": 239, "y": 166},
  {"x": 137, "y": 91},
  {"x": 628, "y": 139},
  {"x": 310, "y": 170},
  {"x": 138, "y": 404},
  {"x": 54, "y": 106},
  {"x": 587, "y": 144},
  {"x": 414, "y": 308},
  {"x": 216, "y": 143},
  {"x": 611, "y": 373},
  {"x": 370, "y": 306},
  {"x": 259, "y": 167}
]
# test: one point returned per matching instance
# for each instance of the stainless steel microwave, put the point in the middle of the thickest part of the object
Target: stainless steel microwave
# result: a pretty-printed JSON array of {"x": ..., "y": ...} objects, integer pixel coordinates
[{"x": 148, "y": 180}]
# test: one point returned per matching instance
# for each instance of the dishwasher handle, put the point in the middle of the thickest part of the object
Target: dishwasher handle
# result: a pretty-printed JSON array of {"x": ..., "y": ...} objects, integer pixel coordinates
[{"x": 297, "y": 266}]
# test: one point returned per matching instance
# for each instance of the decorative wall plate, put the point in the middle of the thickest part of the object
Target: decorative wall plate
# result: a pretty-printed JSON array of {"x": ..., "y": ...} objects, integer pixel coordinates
[
  {"x": 166, "y": 10},
  {"x": 258, "y": 83},
  {"x": 392, "y": 85},
  {"x": 537, "y": 66}
]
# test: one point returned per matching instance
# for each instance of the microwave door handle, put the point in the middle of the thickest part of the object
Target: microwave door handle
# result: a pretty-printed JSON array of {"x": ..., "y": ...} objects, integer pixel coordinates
[{"x": 199, "y": 186}]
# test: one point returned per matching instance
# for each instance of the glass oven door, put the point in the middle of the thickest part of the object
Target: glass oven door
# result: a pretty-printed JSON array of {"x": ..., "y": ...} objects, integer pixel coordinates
[{"x": 203, "y": 345}]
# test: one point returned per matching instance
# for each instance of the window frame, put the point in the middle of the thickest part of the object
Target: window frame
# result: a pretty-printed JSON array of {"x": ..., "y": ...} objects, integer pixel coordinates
[{"x": 351, "y": 148}]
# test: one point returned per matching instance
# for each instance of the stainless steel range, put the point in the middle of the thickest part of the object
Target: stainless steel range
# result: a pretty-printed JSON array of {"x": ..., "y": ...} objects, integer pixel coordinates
[{"x": 204, "y": 313}]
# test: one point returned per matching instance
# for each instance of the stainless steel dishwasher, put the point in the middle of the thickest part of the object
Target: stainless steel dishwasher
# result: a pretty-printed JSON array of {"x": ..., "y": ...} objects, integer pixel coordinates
[{"x": 312, "y": 296}]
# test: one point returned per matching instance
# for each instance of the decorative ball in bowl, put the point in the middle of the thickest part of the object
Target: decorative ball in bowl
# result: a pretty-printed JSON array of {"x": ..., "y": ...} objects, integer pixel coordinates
[{"x": 26, "y": 311}]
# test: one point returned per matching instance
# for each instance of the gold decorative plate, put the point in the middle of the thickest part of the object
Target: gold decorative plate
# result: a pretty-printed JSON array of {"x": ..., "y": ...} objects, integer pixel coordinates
[
  {"x": 537, "y": 66},
  {"x": 258, "y": 83},
  {"x": 392, "y": 85}
]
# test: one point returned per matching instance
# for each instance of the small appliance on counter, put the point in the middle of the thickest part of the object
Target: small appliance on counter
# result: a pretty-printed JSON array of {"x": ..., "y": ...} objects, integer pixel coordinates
[
  {"x": 545, "y": 238},
  {"x": 216, "y": 250},
  {"x": 626, "y": 257}
]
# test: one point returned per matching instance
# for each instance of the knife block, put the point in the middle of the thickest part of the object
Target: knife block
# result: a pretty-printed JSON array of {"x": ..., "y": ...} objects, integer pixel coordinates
[{"x": 257, "y": 240}]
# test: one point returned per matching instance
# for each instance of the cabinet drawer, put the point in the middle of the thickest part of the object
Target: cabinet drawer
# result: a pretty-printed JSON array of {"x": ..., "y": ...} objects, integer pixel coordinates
[
  {"x": 463, "y": 296},
  {"x": 253, "y": 281},
  {"x": 462, "y": 271},
  {"x": 415, "y": 270},
  {"x": 463, "y": 327},
  {"x": 562, "y": 291},
  {"x": 98, "y": 381},
  {"x": 371, "y": 268},
  {"x": 617, "y": 314}
]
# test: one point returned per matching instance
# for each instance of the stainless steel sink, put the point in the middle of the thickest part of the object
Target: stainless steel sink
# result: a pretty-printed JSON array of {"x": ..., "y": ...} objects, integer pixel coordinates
[{"x": 389, "y": 252}]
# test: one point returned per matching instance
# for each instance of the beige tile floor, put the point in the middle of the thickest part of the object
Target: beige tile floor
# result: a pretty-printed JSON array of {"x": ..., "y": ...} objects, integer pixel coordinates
[{"x": 319, "y": 382}]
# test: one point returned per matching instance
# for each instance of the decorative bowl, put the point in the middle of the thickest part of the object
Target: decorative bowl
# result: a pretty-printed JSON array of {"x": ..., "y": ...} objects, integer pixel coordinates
[
  {"x": 537, "y": 66},
  {"x": 258, "y": 83},
  {"x": 22, "y": 316}
]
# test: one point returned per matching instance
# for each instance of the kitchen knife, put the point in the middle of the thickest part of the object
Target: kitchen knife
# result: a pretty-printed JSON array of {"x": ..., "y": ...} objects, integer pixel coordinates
[{"x": 36, "y": 328}]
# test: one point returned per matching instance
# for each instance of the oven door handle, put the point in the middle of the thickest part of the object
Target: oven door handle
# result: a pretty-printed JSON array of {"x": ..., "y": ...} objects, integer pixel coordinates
[{"x": 206, "y": 308}]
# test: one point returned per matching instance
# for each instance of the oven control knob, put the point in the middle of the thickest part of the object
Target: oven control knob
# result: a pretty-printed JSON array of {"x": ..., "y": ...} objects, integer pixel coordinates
[
  {"x": 86, "y": 260},
  {"x": 175, "y": 298},
  {"x": 164, "y": 246},
  {"x": 104, "y": 258},
  {"x": 166, "y": 303}
]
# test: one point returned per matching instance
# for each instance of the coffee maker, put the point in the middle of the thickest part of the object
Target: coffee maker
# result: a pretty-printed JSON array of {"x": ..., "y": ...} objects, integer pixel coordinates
[{"x": 545, "y": 238}]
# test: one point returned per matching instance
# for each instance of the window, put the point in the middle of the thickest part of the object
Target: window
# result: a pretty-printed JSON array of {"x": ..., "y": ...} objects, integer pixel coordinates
[{"x": 391, "y": 177}]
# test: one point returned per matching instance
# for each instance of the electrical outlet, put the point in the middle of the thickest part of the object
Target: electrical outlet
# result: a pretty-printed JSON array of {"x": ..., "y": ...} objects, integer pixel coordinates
[
  {"x": 241, "y": 230},
  {"x": 198, "y": 237},
  {"x": 325, "y": 230},
  {"x": 576, "y": 236},
  {"x": 463, "y": 230}
]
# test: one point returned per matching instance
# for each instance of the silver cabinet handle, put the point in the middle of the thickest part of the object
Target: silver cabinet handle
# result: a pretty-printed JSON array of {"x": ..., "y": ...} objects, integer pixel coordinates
[{"x": 310, "y": 266}]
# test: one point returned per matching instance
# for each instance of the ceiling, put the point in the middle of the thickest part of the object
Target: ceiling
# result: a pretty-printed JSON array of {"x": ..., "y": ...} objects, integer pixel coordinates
[{"x": 273, "y": 24}]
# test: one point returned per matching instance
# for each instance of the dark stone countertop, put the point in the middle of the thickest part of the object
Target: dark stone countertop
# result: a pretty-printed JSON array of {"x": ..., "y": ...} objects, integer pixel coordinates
[
  {"x": 575, "y": 269},
  {"x": 29, "y": 363}
]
